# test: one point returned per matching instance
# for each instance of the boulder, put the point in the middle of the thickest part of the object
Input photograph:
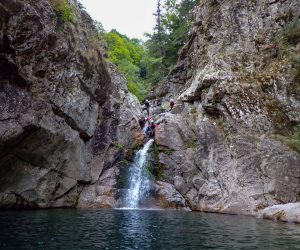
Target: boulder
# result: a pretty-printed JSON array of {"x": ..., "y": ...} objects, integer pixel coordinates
[{"x": 289, "y": 212}]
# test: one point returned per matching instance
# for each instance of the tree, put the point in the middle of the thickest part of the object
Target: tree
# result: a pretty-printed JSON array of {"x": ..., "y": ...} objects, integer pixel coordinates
[
  {"x": 171, "y": 30},
  {"x": 158, "y": 29},
  {"x": 128, "y": 55}
]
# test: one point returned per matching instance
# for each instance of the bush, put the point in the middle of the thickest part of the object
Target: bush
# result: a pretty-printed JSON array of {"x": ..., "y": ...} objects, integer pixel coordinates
[
  {"x": 297, "y": 68},
  {"x": 292, "y": 32},
  {"x": 140, "y": 90},
  {"x": 120, "y": 146},
  {"x": 65, "y": 11},
  {"x": 193, "y": 110},
  {"x": 294, "y": 141}
]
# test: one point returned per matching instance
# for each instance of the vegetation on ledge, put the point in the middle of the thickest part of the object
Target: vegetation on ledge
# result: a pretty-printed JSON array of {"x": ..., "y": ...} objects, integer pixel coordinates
[{"x": 64, "y": 10}]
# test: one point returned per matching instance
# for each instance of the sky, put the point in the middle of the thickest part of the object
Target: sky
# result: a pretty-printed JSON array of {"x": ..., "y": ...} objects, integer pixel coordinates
[{"x": 130, "y": 17}]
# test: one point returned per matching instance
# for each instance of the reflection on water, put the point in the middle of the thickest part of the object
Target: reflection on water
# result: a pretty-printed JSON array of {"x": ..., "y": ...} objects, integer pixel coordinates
[{"x": 141, "y": 229}]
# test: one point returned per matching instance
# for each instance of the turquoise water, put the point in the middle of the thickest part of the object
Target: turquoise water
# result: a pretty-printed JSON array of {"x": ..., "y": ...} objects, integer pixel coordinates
[{"x": 141, "y": 229}]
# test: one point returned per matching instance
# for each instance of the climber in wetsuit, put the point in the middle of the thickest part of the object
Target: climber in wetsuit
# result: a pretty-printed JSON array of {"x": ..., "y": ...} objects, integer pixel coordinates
[
  {"x": 151, "y": 129},
  {"x": 172, "y": 103}
]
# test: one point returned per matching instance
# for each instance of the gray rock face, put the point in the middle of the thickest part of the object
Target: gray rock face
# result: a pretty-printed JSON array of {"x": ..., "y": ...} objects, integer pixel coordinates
[
  {"x": 63, "y": 108},
  {"x": 169, "y": 197},
  {"x": 240, "y": 173},
  {"x": 230, "y": 141},
  {"x": 288, "y": 212}
]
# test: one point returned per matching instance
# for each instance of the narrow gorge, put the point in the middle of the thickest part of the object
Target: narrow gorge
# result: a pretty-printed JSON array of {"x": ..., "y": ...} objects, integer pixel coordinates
[{"x": 70, "y": 128}]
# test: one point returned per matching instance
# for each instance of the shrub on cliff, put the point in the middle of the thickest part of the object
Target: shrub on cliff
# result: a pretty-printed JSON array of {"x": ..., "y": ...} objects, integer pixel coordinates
[{"x": 64, "y": 10}]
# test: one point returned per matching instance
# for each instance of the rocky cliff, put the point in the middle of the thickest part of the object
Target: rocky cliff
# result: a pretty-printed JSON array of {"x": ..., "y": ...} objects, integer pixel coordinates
[
  {"x": 232, "y": 142},
  {"x": 65, "y": 113}
]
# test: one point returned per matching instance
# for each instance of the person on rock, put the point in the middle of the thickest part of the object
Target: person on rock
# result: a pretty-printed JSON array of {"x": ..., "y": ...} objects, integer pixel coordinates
[
  {"x": 147, "y": 106},
  {"x": 151, "y": 129},
  {"x": 149, "y": 118},
  {"x": 172, "y": 103}
]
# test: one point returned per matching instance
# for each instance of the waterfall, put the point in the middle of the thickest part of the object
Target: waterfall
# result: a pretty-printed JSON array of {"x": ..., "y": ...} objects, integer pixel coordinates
[{"x": 139, "y": 178}]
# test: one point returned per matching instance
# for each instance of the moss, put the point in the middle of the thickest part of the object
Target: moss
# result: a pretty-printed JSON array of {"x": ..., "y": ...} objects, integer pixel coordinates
[
  {"x": 122, "y": 180},
  {"x": 294, "y": 144},
  {"x": 124, "y": 163},
  {"x": 296, "y": 64},
  {"x": 155, "y": 149},
  {"x": 75, "y": 201},
  {"x": 167, "y": 151},
  {"x": 279, "y": 54},
  {"x": 130, "y": 153},
  {"x": 280, "y": 121},
  {"x": 119, "y": 146},
  {"x": 156, "y": 171},
  {"x": 290, "y": 34},
  {"x": 65, "y": 11},
  {"x": 157, "y": 168},
  {"x": 223, "y": 126},
  {"x": 193, "y": 143},
  {"x": 193, "y": 110},
  {"x": 160, "y": 175},
  {"x": 293, "y": 140}
]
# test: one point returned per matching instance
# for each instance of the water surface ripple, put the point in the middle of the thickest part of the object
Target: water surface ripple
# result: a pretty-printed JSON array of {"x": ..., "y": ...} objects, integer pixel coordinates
[{"x": 141, "y": 229}]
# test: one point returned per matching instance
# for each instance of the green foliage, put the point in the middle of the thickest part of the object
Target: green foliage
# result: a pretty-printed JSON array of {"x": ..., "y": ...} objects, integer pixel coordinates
[
  {"x": 193, "y": 143},
  {"x": 297, "y": 68},
  {"x": 65, "y": 11},
  {"x": 75, "y": 201},
  {"x": 193, "y": 110},
  {"x": 99, "y": 28},
  {"x": 130, "y": 57},
  {"x": 294, "y": 140},
  {"x": 167, "y": 151},
  {"x": 156, "y": 171},
  {"x": 290, "y": 34},
  {"x": 160, "y": 172},
  {"x": 171, "y": 33},
  {"x": 124, "y": 163},
  {"x": 146, "y": 64},
  {"x": 120, "y": 146}
]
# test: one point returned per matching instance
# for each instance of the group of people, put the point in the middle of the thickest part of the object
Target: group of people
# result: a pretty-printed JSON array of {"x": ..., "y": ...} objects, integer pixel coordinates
[
  {"x": 151, "y": 125},
  {"x": 147, "y": 105}
]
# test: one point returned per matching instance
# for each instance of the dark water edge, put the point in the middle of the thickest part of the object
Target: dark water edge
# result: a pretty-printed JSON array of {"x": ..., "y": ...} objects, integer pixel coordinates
[{"x": 141, "y": 229}]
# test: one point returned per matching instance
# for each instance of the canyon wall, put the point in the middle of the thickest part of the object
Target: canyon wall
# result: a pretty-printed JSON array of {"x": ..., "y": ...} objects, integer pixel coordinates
[
  {"x": 65, "y": 113},
  {"x": 232, "y": 142}
]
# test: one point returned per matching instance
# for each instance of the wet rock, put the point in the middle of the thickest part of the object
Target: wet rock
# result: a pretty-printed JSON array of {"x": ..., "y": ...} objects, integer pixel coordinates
[
  {"x": 168, "y": 197},
  {"x": 289, "y": 212},
  {"x": 95, "y": 196}
]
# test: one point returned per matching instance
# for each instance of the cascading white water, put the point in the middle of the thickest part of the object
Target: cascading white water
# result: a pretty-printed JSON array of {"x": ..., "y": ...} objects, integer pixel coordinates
[{"x": 139, "y": 179}]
